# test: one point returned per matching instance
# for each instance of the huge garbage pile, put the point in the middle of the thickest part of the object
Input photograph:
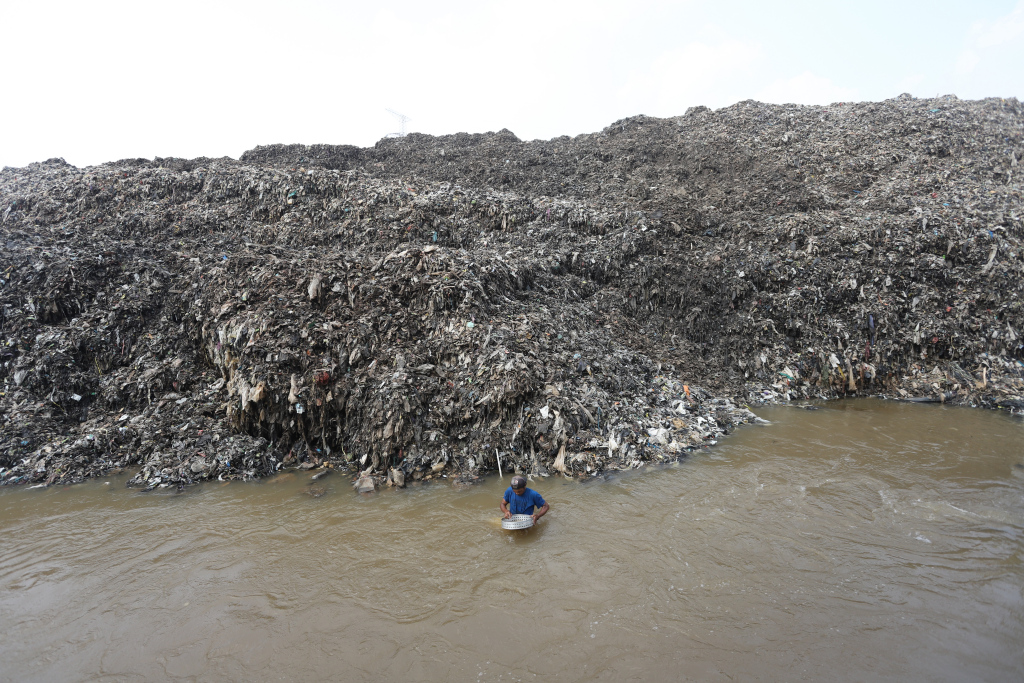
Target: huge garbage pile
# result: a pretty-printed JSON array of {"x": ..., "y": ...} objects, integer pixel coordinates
[{"x": 437, "y": 306}]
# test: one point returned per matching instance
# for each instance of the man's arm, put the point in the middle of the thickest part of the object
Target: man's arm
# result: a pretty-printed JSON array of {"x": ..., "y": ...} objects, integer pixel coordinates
[
  {"x": 504, "y": 509},
  {"x": 540, "y": 513}
]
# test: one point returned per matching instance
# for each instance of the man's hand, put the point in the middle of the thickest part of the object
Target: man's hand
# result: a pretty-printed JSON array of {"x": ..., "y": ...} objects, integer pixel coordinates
[
  {"x": 508, "y": 514},
  {"x": 540, "y": 513}
]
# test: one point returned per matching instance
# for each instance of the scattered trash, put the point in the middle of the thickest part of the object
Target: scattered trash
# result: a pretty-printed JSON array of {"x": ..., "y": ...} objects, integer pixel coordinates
[{"x": 595, "y": 303}]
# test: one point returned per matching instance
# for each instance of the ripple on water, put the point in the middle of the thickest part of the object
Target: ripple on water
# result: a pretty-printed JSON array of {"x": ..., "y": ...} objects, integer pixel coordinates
[{"x": 864, "y": 540}]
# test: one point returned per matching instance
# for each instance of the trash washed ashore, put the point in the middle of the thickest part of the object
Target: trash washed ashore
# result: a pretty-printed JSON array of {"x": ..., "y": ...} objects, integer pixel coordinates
[{"x": 439, "y": 306}]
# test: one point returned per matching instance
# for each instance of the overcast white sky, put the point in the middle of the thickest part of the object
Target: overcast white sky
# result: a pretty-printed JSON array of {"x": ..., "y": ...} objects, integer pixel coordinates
[{"x": 100, "y": 80}]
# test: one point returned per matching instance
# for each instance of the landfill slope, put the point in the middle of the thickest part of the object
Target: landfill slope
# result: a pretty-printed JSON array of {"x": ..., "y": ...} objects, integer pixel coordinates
[{"x": 438, "y": 306}]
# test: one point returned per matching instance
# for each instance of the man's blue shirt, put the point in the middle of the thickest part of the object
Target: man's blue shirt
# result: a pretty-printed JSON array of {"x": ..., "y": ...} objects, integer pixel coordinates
[{"x": 524, "y": 504}]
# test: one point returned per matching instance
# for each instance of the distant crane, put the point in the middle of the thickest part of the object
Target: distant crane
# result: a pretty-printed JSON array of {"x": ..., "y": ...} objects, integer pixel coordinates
[{"x": 402, "y": 120}]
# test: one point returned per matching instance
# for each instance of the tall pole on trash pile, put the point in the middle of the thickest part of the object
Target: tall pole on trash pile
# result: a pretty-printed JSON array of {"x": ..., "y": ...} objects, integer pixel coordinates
[{"x": 402, "y": 120}]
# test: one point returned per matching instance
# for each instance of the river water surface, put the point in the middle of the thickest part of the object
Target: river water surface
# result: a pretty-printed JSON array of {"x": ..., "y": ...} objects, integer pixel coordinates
[{"x": 862, "y": 541}]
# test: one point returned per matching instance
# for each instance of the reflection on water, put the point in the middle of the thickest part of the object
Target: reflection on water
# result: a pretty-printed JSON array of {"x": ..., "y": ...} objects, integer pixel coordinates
[{"x": 862, "y": 541}]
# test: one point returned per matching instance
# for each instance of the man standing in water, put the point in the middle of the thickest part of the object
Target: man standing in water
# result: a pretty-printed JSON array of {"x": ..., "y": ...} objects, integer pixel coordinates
[{"x": 520, "y": 500}]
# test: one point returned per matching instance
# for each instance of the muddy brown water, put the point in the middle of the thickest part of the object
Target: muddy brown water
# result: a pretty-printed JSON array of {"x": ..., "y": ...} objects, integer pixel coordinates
[{"x": 861, "y": 541}]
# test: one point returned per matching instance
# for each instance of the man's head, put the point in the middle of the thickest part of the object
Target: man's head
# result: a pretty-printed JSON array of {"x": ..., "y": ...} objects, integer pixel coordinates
[{"x": 518, "y": 483}]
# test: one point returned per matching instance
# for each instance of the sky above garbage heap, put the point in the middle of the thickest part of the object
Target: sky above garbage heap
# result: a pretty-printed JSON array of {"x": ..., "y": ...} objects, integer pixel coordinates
[{"x": 98, "y": 81}]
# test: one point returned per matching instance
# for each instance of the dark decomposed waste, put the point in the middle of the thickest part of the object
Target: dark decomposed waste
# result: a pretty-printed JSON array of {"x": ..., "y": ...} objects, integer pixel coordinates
[{"x": 432, "y": 305}]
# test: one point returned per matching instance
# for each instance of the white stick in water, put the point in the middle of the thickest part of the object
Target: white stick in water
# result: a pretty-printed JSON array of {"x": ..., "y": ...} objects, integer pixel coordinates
[{"x": 498, "y": 456}]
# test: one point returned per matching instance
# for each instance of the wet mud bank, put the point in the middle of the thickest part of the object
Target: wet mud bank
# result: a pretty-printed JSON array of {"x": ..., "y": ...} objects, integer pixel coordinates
[{"x": 440, "y": 306}]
